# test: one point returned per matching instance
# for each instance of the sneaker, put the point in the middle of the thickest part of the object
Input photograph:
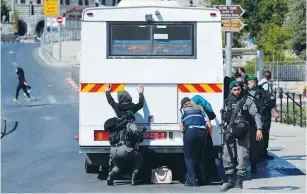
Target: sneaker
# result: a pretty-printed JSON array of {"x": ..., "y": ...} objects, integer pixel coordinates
[
  {"x": 15, "y": 100},
  {"x": 29, "y": 99},
  {"x": 24, "y": 94}
]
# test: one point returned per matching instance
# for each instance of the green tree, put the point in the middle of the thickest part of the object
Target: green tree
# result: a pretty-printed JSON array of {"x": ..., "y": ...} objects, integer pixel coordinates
[
  {"x": 297, "y": 21},
  {"x": 272, "y": 40},
  {"x": 5, "y": 9}
]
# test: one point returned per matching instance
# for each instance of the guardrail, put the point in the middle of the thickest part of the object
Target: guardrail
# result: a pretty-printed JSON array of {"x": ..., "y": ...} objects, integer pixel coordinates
[{"x": 291, "y": 107}]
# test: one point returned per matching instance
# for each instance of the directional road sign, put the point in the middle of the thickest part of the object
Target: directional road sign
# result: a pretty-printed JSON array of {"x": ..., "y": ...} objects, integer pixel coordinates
[
  {"x": 230, "y": 11},
  {"x": 232, "y": 25}
]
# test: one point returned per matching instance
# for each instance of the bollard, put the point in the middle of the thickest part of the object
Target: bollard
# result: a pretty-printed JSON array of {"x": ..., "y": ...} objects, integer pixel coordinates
[
  {"x": 287, "y": 107},
  {"x": 301, "y": 111},
  {"x": 293, "y": 107}
]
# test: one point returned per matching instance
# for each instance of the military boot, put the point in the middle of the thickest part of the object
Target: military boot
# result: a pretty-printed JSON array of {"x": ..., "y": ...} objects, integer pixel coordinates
[
  {"x": 110, "y": 179},
  {"x": 133, "y": 177},
  {"x": 239, "y": 183},
  {"x": 231, "y": 183}
]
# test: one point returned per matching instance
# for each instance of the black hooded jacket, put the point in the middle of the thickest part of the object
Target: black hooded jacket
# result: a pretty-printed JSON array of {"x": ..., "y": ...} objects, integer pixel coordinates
[
  {"x": 21, "y": 76},
  {"x": 125, "y": 103}
]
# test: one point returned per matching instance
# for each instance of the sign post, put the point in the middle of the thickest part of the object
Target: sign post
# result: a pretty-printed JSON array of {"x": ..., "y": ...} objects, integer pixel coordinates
[
  {"x": 51, "y": 9},
  {"x": 60, "y": 22},
  {"x": 230, "y": 15}
]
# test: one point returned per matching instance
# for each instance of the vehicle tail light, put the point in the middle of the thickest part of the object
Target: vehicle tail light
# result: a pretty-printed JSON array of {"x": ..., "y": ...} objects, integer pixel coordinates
[
  {"x": 213, "y": 14},
  {"x": 101, "y": 136}
]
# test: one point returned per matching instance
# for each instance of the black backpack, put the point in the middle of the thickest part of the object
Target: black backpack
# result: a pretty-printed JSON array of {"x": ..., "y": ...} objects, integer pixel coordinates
[{"x": 264, "y": 100}]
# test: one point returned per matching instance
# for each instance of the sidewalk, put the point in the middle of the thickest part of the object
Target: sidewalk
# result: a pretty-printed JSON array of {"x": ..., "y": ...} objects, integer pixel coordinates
[
  {"x": 287, "y": 173},
  {"x": 70, "y": 54},
  {"x": 70, "y": 57}
]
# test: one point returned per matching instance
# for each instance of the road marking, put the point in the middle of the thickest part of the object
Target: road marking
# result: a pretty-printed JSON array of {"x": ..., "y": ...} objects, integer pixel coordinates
[
  {"x": 14, "y": 63},
  {"x": 52, "y": 99},
  {"x": 11, "y": 52},
  {"x": 73, "y": 84}
]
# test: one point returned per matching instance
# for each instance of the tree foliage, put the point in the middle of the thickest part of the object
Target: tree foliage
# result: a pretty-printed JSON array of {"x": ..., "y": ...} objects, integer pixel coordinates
[
  {"x": 5, "y": 10},
  {"x": 272, "y": 40},
  {"x": 265, "y": 21},
  {"x": 297, "y": 21}
]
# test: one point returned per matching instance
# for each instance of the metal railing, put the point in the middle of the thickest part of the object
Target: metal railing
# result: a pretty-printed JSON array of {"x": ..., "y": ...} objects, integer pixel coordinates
[
  {"x": 50, "y": 37},
  {"x": 281, "y": 70},
  {"x": 291, "y": 106}
]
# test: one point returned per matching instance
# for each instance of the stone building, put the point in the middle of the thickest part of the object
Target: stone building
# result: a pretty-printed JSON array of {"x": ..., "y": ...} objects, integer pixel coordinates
[{"x": 35, "y": 23}]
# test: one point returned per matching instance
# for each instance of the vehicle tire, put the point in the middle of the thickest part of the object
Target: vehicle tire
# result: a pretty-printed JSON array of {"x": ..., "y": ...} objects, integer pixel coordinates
[{"x": 89, "y": 168}]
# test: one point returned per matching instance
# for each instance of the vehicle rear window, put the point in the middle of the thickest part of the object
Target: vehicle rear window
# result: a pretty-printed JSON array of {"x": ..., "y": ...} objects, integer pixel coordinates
[{"x": 154, "y": 40}]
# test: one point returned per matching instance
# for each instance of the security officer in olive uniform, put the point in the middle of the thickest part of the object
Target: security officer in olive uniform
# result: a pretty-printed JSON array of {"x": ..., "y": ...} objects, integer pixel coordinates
[
  {"x": 256, "y": 147},
  {"x": 124, "y": 135},
  {"x": 241, "y": 113}
]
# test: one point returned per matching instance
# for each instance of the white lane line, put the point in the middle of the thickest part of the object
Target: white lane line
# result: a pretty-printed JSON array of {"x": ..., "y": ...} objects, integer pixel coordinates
[
  {"x": 11, "y": 52},
  {"x": 52, "y": 99},
  {"x": 14, "y": 63}
]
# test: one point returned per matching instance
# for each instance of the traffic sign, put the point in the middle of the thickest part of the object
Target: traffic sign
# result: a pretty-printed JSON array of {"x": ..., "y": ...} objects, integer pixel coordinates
[
  {"x": 59, "y": 20},
  {"x": 232, "y": 25},
  {"x": 230, "y": 11},
  {"x": 51, "y": 8}
]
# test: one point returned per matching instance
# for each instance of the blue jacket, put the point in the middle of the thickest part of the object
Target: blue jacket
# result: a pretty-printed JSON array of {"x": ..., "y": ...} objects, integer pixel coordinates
[{"x": 193, "y": 117}]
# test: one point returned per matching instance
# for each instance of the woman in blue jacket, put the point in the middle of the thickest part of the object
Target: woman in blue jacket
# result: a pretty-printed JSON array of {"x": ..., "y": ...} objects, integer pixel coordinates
[{"x": 194, "y": 125}]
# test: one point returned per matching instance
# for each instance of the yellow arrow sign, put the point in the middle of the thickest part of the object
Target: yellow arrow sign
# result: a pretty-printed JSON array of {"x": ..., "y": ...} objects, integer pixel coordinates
[{"x": 232, "y": 25}]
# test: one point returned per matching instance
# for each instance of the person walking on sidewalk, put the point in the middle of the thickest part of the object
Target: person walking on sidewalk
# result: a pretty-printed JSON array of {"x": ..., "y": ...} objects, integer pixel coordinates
[
  {"x": 22, "y": 84},
  {"x": 266, "y": 84}
]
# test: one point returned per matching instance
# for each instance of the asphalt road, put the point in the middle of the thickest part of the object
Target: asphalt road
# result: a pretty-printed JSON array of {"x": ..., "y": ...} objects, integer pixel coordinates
[{"x": 41, "y": 155}]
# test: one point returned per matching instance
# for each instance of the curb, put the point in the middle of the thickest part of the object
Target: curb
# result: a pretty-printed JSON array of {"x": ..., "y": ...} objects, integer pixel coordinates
[
  {"x": 41, "y": 56},
  {"x": 10, "y": 41}
]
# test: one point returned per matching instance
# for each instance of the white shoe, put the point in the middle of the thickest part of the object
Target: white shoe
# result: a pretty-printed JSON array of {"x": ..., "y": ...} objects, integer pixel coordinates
[{"x": 24, "y": 94}]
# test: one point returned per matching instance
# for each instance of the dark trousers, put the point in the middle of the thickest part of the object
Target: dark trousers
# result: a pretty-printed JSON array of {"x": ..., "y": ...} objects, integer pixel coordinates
[
  {"x": 211, "y": 170},
  {"x": 24, "y": 88},
  {"x": 194, "y": 141},
  {"x": 266, "y": 136},
  {"x": 256, "y": 147}
]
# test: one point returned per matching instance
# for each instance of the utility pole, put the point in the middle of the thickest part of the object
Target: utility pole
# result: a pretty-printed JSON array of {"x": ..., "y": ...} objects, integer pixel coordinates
[
  {"x": 60, "y": 32},
  {"x": 228, "y": 51}
]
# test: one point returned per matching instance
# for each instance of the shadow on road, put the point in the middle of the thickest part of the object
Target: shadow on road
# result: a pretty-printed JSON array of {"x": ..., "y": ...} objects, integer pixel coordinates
[
  {"x": 6, "y": 125},
  {"x": 277, "y": 188},
  {"x": 279, "y": 167}
]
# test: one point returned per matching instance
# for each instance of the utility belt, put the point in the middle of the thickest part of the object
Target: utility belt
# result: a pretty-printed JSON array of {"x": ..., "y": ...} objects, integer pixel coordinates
[
  {"x": 121, "y": 144},
  {"x": 117, "y": 145}
]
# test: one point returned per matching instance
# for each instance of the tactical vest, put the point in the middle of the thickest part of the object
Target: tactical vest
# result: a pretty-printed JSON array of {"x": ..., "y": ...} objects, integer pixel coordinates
[
  {"x": 114, "y": 137},
  {"x": 240, "y": 124},
  {"x": 192, "y": 116}
]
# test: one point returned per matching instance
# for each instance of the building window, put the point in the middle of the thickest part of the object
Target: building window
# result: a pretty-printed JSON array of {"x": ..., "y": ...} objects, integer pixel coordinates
[
  {"x": 61, "y": 2},
  {"x": 86, "y": 2},
  {"x": 38, "y": 2},
  {"x": 80, "y": 2},
  {"x": 22, "y": 1},
  {"x": 67, "y": 2},
  {"x": 152, "y": 40}
]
